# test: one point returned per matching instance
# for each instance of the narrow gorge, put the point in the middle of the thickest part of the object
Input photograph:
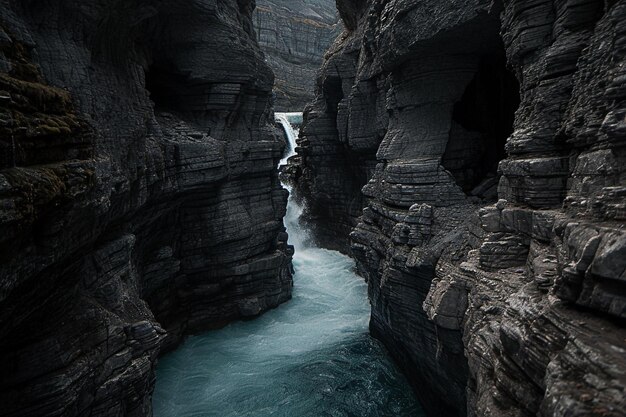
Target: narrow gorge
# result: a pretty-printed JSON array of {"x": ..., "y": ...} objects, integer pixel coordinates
[
  {"x": 310, "y": 357},
  {"x": 444, "y": 236}
]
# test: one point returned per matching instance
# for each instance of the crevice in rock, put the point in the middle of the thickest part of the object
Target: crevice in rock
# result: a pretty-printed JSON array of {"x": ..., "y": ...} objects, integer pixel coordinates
[
  {"x": 333, "y": 94},
  {"x": 164, "y": 87},
  {"x": 481, "y": 123}
]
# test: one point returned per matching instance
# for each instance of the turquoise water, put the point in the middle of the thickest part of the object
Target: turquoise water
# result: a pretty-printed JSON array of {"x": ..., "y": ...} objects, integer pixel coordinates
[{"x": 310, "y": 357}]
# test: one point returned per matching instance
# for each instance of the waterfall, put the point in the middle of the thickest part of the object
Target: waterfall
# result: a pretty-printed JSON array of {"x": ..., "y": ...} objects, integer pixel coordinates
[
  {"x": 288, "y": 120},
  {"x": 297, "y": 235},
  {"x": 312, "y": 356}
]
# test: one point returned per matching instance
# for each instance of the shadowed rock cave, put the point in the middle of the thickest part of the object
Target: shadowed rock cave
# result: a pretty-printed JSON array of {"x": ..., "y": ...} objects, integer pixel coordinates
[
  {"x": 164, "y": 87},
  {"x": 333, "y": 93},
  {"x": 481, "y": 123}
]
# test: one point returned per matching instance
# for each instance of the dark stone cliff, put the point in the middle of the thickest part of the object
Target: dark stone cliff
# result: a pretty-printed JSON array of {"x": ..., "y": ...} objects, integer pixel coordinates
[
  {"x": 139, "y": 199},
  {"x": 471, "y": 156},
  {"x": 294, "y": 35}
]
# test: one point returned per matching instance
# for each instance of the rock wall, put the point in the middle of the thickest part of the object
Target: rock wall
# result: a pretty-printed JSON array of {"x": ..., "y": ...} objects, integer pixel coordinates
[
  {"x": 139, "y": 195},
  {"x": 470, "y": 156},
  {"x": 294, "y": 35}
]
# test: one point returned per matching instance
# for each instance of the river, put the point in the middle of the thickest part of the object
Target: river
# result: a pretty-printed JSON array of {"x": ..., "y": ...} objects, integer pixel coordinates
[{"x": 312, "y": 356}]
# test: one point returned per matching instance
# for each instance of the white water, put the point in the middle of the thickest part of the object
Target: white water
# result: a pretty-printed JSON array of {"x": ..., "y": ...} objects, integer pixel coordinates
[
  {"x": 310, "y": 357},
  {"x": 286, "y": 120}
]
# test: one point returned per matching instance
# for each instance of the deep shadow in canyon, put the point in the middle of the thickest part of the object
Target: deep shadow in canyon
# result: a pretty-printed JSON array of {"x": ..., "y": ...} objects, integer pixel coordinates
[
  {"x": 485, "y": 115},
  {"x": 470, "y": 157},
  {"x": 163, "y": 87}
]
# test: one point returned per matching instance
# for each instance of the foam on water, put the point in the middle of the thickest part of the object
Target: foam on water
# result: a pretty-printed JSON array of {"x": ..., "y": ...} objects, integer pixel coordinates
[
  {"x": 310, "y": 357},
  {"x": 287, "y": 120}
]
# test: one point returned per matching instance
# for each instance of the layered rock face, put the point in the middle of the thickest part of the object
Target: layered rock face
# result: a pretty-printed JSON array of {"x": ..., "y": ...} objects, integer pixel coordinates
[
  {"x": 138, "y": 190},
  {"x": 294, "y": 35},
  {"x": 470, "y": 156}
]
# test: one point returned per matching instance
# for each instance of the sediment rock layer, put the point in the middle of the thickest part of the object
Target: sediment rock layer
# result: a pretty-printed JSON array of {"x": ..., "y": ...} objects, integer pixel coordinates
[
  {"x": 139, "y": 198},
  {"x": 294, "y": 35},
  {"x": 470, "y": 155}
]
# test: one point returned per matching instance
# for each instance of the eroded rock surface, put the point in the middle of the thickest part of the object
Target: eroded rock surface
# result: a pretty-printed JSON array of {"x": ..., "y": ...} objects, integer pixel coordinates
[
  {"x": 294, "y": 35},
  {"x": 470, "y": 156},
  {"x": 139, "y": 198}
]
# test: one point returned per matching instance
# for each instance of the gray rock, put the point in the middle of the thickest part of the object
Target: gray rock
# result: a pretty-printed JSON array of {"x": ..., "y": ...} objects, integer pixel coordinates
[
  {"x": 139, "y": 199},
  {"x": 491, "y": 310},
  {"x": 294, "y": 35}
]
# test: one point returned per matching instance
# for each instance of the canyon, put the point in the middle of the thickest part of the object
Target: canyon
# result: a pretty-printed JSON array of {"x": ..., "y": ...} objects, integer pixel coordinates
[
  {"x": 313, "y": 356},
  {"x": 294, "y": 35},
  {"x": 469, "y": 155}
]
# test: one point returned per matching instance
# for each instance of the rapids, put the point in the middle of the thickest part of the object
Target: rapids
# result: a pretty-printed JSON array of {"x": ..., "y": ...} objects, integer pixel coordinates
[{"x": 312, "y": 356}]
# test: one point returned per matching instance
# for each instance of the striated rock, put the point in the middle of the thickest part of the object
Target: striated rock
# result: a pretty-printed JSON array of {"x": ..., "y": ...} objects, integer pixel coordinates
[
  {"x": 294, "y": 35},
  {"x": 469, "y": 155},
  {"x": 138, "y": 192}
]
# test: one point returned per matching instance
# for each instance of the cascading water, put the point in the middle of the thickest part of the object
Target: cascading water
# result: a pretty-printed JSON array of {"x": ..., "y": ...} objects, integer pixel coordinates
[
  {"x": 288, "y": 120},
  {"x": 310, "y": 357}
]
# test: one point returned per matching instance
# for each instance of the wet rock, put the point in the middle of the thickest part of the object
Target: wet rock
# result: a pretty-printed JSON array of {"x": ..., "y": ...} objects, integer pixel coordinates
[
  {"x": 489, "y": 308},
  {"x": 139, "y": 200}
]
